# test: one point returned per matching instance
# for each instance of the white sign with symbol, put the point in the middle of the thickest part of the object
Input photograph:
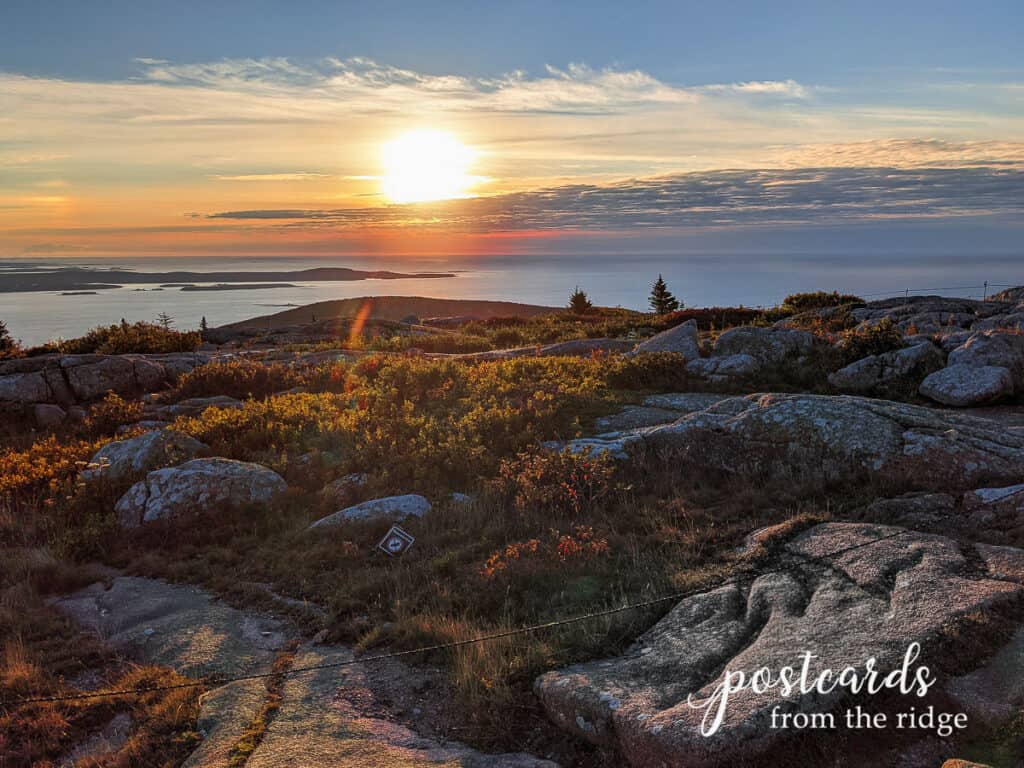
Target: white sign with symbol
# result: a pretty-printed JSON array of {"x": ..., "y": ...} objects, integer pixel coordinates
[{"x": 396, "y": 542}]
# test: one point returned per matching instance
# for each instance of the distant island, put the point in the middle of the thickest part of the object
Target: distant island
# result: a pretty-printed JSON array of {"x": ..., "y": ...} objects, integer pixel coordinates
[
  {"x": 236, "y": 286},
  {"x": 32, "y": 278}
]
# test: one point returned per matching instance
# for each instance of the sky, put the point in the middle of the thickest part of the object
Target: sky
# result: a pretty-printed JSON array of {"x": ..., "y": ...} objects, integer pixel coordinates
[{"x": 261, "y": 128}]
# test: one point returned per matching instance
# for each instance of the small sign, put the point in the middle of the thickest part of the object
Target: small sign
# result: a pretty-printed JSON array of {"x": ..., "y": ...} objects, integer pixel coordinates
[{"x": 396, "y": 542}]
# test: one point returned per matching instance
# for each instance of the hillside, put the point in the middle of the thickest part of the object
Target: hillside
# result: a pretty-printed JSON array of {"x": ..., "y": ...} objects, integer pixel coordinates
[{"x": 394, "y": 308}]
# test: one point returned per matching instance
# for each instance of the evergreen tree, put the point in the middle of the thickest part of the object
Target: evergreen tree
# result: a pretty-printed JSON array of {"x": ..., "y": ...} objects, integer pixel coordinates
[
  {"x": 579, "y": 304},
  {"x": 662, "y": 300},
  {"x": 165, "y": 321},
  {"x": 202, "y": 324},
  {"x": 7, "y": 345}
]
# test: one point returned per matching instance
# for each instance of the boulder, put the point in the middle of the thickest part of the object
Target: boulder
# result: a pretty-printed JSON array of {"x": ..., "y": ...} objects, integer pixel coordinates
[
  {"x": 962, "y": 385},
  {"x": 391, "y": 509},
  {"x": 196, "y": 486},
  {"x": 993, "y": 348},
  {"x": 834, "y": 437},
  {"x": 345, "y": 490},
  {"x": 682, "y": 339},
  {"x": 898, "y": 371},
  {"x": 847, "y": 593},
  {"x": 766, "y": 345},
  {"x": 47, "y": 415},
  {"x": 721, "y": 370},
  {"x": 149, "y": 451}
]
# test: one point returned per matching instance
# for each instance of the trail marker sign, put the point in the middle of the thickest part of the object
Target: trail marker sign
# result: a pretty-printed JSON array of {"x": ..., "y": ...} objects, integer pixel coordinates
[{"x": 396, "y": 542}]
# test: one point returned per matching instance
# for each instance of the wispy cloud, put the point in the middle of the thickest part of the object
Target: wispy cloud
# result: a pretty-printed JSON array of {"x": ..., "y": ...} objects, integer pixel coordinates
[
  {"x": 715, "y": 199},
  {"x": 297, "y": 176}
]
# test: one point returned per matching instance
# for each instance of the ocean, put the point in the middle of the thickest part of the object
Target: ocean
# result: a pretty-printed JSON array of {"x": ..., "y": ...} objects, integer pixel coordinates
[{"x": 698, "y": 280}]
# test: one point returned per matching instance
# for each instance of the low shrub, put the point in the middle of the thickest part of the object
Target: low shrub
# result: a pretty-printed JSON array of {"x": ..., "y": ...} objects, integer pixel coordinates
[
  {"x": 555, "y": 483},
  {"x": 236, "y": 378},
  {"x": 107, "y": 415},
  {"x": 877, "y": 339},
  {"x": 804, "y": 302},
  {"x": 126, "y": 338}
]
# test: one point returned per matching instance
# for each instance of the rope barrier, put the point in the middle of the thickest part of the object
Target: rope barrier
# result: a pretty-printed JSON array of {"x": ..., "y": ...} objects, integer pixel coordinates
[{"x": 218, "y": 681}]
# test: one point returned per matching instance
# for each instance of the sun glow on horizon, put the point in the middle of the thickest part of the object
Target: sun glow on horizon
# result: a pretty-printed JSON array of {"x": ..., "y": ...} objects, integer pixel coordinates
[{"x": 426, "y": 165}]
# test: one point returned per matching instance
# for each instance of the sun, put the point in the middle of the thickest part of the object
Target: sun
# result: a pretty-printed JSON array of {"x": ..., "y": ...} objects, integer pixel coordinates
[{"x": 426, "y": 165}]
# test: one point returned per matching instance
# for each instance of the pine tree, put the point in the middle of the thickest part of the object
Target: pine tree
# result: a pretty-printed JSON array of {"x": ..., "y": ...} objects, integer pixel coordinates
[
  {"x": 165, "y": 321},
  {"x": 7, "y": 345},
  {"x": 202, "y": 324},
  {"x": 662, "y": 300},
  {"x": 579, "y": 304}
]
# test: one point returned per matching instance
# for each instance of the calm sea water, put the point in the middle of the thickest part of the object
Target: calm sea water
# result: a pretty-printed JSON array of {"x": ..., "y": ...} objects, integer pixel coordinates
[{"x": 699, "y": 280}]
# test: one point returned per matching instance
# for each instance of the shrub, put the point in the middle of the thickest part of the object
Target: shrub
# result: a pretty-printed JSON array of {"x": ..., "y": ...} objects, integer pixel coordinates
[
  {"x": 237, "y": 378},
  {"x": 579, "y": 546},
  {"x": 110, "y": 413},
  {"x": 804, "y": 302},
  {"x": 871, "y": 340},
  {"x": 125, "y": 338},
  {"x": 556, "y": 483}
]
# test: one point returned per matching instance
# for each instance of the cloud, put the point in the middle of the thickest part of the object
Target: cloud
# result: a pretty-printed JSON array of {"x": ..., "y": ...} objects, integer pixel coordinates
[
  {"x": 787, "y": 88},
  {"x": 906, "y": 153},
  {"x": 298, "y": 176},
  {"x": 714, "y": 199}
]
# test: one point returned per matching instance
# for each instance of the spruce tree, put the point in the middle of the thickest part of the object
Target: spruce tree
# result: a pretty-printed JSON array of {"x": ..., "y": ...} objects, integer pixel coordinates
[
  {"x": 165, "y": 321},
  {"x": 579, "y": 304},
  {"x": 662, "y": 300},
  {"x": 7, "y": 345}
]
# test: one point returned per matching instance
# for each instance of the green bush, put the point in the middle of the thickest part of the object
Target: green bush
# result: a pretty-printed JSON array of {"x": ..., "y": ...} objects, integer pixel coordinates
[{"x": 804, "y": 302}]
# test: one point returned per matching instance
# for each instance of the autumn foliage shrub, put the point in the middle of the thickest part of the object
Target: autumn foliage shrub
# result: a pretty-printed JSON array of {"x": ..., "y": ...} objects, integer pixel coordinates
[
  {"x": 126, "y": 338},
  {"x": 581, "y": 545},
  {"x": 110, "y": 413},
  {"x": 564, "y": 483},
  {"x": 237, "y": 378},
  {"x": 804, "y": 302}
]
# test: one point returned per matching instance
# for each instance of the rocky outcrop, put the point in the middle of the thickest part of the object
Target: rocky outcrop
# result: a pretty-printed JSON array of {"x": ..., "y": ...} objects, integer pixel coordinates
[
  {"x": 392, "y": 509},
  {"x": 846, "y": 593},
  {"x": 197, "y": 486},
  {"x": 839, "y": 437},
  {"x": 683, "y": 339},
  {"x": 330, "y": 716},
  {"x": 962, "y": 385},
  {"x": 929, "y": 314},
  {"x": 68, "y": 379},
  {"x": 149, "y": 451},
  {"x": 993, "y": 515},
  {"x": 741, "y": 353},
  {"x": 897, "y": 372}
]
